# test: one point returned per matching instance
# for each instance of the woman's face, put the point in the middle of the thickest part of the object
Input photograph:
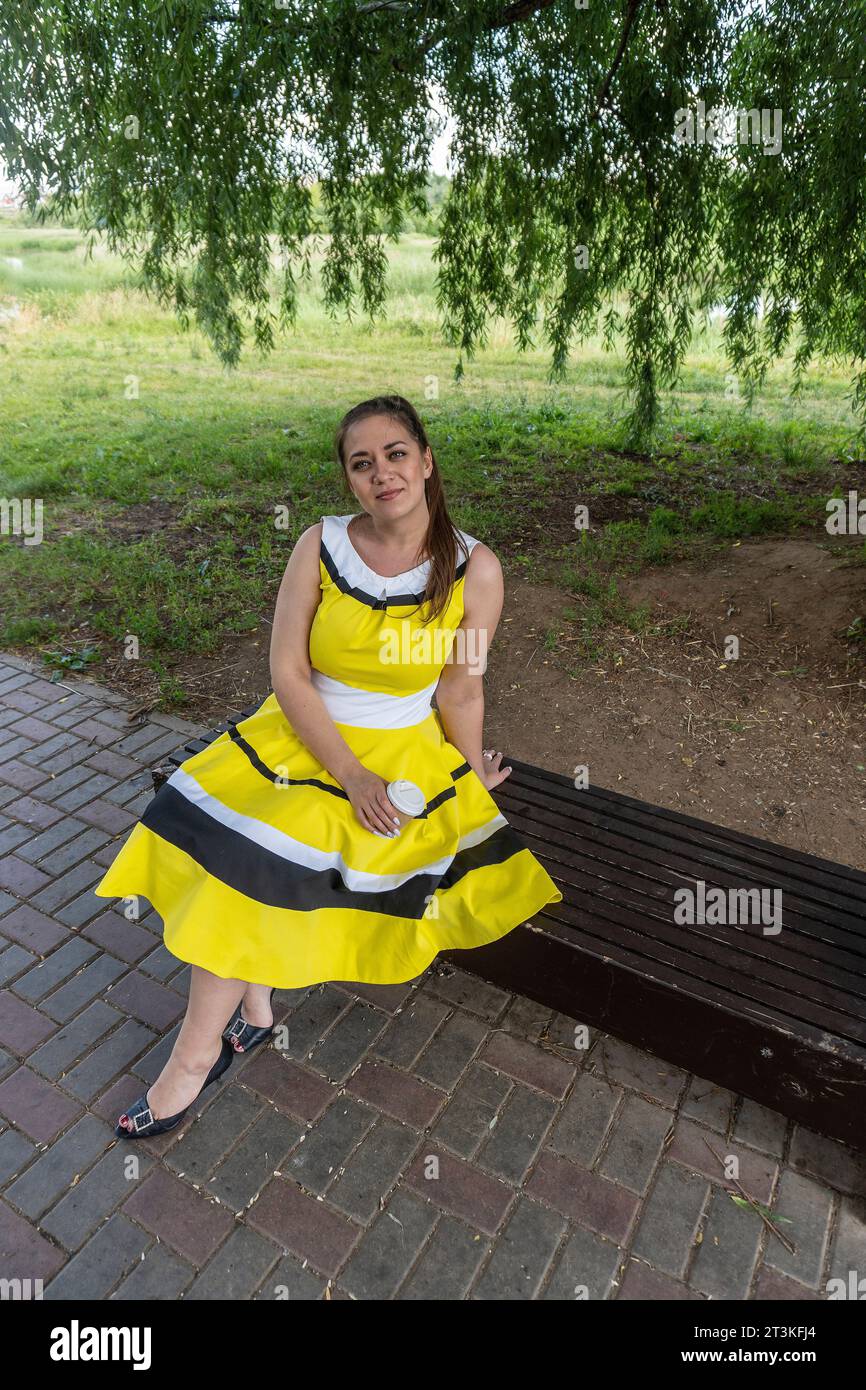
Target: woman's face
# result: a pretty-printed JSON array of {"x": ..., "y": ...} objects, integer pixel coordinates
[{"x": 382, "y": 458}]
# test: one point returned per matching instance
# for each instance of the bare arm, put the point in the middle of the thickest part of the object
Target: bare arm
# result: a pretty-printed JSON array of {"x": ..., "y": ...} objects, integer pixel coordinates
[
  {"x": 291, "y": 677},
  {"x": 460, "y": 692}
]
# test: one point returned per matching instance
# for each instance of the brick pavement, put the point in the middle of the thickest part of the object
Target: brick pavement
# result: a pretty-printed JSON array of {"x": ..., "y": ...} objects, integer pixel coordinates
[{"x": 440, "y": 1139}]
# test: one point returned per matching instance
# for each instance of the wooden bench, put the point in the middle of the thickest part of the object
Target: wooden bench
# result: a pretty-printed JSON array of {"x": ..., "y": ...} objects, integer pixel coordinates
[{"x": 779, "y": 1017}]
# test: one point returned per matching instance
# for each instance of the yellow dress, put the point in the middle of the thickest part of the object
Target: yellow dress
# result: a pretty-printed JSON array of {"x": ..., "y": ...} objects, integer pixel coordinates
[{"x": 252, "y": 853}]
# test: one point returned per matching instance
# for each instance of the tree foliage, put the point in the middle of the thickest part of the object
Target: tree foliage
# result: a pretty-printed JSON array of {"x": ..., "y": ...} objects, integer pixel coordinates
[{"x": 193, "y": 131}]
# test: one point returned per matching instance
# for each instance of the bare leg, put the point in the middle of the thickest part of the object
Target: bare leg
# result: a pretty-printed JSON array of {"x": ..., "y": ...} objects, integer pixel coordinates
[
  {"x": 212, "y": 1002},
  {"x": 256, "y": 1006}
]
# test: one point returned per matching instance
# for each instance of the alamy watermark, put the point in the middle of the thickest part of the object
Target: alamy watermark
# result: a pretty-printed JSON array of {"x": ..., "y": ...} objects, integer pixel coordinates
[{"x": 729, "y": 125}]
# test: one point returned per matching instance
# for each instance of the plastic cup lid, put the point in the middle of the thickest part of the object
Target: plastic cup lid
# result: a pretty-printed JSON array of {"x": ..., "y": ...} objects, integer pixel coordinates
[{"x": 407, "y": 797}]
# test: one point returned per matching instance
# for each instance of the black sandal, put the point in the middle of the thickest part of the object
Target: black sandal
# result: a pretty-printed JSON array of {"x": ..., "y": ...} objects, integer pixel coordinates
[
  {"x": 245, "y": 1036},
  {"x": 144, "y": 1122}
]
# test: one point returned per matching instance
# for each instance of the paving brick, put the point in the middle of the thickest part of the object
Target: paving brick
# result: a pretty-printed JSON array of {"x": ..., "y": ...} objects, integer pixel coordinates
[
  {"x": 20, "y": 700},
  {"x": 808, "y": 1207},
  {"x": 32, "y": 929},
  {"x": 65, "y": 781},
  {"x": 80, "y": 911},
  {"x": 585, "y": 1119},
  {"x": 448, "y": 1263},
  {"x": 388, "y": 1251},
  {"x": 97, "y": 731},
  {"x": 21, "y": 878},
  {"x": 56, "y": 968},
  {"x": 290, "y": 1281},
  {"x": 14, "y": 748},
  {"x": 127, "y": 940},
  {"x": 372, "y": 1170},
  {"x": 64, "y": 858},
  {"x": 14, "y": 835},
  {"x": 21, "y": 1026},
  {"x": 830, "y": 1162},
  {"x": 54, "y": 1171},
  {"x": 470, "y": 1113},
  {"x": 410, "y": 1031},
  {"x": 15, "y": 1153},
  {"x": 91, "y": 981},
  {"x": 161, "y": 964},
  {"x": 146, "y": 1000},
  {"x": 727, "y": 1255},
  {"x": 287, "y": 1085},
  {"x": 107, "y": 1257},
  {"x": 24, "y": 1253},
  {"x": 586, "y": 1268},
  {"x": 113, "y": 763},
  {"x": 398, "y": 1095},
  {"x": 179, "y": 1215},
  {"x": 303, "y": 1226},
  {"x": 635, "y": 1144},
  {"x": 160, "y": 1275},
  {"x": 523, "y": 1254},
  {"x": 113, "y": 819},
  {"x": 583, "y": 1196},
  {"x": 216, "y": 1130},
  {"x": 241, "y": 1176},
  {"x": 19, "y": 775},
  {"x": 458, "y": 1187},
  {"x": 7, "y": 902},
  {"x": 138, "y": 739},
  {"x": 103, "y": 1064},
  {"x": 849, "y": 1243},
  {"x": 689, "y": 1146},
  {"x": 86, "y": 1205},
  {"x": 95, "y": 785},
  {"x": 63, "y": 890},
  {"x": 36, "y": 1106},
  {"x": 467, "y": 992},
  {"x": 31, "y": 811},
  {"x": 63, "y": 752},
  {"x": 777, "y": 1288},
  {"x": 637, "y": 1071},
  {"x": 334, "y": 1136},
  {"x": 33, "y": 728},
  {"x": 347, "y": 1042},
  {"x": 517, "y": 1136},
  {"x": 38, "y": 846},
  {"x": 529, "y": 1064},
  {"x": 59, "y": 1054},
  {"x": 761, "y": 1128},
  {"x": 457, "y": 1042},
  {"x": 671, "y": 1219},
  {"x": 237, "y": 1269},
  {"x": 645, "y": 1284},
  {"x": 13, "y": 961},
  {"x": 312, "y": 1019}
]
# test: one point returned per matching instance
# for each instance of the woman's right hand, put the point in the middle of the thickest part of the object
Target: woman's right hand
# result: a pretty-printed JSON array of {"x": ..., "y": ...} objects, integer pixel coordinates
[{"x": 369, "y": 797}]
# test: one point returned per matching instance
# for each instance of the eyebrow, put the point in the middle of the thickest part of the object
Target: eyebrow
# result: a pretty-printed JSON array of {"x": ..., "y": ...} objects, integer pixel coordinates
[{"x": 366, "y": 451}]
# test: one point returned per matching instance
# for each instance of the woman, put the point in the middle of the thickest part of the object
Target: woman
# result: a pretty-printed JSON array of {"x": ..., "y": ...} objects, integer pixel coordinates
[{"x": 274, "y": 856}]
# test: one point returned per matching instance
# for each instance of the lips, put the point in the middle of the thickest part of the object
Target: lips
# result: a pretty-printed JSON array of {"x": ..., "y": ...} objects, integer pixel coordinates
[{"x": 385, "y": 496}]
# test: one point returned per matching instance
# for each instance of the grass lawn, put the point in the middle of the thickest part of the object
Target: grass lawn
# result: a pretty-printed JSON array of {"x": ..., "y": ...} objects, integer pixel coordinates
[{"x": 160, "y": 472}]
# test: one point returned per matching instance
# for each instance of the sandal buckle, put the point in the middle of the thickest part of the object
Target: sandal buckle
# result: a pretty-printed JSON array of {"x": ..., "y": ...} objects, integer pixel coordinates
[
  {"x": 237, "y": 1028},
  {"x": 142, "y": 1119}
]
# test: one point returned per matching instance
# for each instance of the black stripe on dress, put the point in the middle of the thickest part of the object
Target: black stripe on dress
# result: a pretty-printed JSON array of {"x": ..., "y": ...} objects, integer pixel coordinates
[{"x": 265, "y": 877}]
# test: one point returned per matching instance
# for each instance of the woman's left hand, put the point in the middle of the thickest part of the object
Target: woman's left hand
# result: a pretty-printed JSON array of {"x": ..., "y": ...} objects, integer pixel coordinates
[{"x": 493, "y": 772}]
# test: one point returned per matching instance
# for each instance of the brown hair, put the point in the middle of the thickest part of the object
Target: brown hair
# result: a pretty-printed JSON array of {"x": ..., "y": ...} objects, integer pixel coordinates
[{"x": 442, "y": 538}]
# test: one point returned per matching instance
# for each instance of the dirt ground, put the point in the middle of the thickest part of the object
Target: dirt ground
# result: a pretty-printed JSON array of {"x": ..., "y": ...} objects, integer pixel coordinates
[{"x": 772, "y": 743}]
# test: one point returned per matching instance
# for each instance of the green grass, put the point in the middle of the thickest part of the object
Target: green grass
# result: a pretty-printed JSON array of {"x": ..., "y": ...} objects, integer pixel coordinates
[{"x": 160, "y": 471}]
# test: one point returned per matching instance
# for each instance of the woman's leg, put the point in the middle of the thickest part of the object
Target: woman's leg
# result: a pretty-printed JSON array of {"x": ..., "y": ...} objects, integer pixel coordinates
[
  {"x": 256, "y": 1006},
  {"x": 212, "y": 1002}
]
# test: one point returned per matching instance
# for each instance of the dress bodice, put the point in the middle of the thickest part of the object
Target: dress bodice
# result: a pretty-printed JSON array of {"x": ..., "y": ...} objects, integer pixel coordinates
[{"x": 374, "y": 661}]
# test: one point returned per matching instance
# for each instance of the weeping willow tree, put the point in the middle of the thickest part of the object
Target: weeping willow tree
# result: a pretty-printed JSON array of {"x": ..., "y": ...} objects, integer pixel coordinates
[{"x": 659, "y": 155}]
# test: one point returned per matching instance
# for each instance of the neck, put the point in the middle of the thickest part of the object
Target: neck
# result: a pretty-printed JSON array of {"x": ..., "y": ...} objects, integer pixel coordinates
[{"x": 405, "y": 533}]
